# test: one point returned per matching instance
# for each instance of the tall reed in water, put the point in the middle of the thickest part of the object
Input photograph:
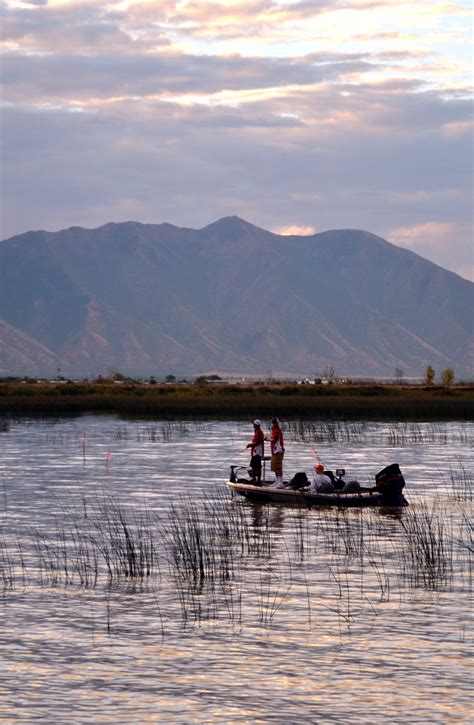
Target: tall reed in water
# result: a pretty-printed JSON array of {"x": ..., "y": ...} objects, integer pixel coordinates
[
  {"x": 427, "y": 547},
  {"x": 461, "y": 483},
  {"x": 224, "y": 556},
  {"x": 396, "y": 434}
]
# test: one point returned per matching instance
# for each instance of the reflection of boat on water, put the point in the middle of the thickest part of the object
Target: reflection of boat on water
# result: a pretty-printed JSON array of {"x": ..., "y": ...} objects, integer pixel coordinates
[{"x": 387, "y": 491}]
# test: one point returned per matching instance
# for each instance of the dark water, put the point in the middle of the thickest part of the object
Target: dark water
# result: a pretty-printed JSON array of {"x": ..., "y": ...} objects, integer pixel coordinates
[{"x": 295, "y": 615}]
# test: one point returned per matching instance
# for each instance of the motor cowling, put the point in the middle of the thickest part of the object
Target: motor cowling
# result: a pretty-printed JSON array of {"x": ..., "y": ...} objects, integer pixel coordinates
[{"x": 390, "y": 482}]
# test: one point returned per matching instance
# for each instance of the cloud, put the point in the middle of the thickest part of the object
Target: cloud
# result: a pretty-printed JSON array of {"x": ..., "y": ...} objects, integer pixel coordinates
[
  {"x": 76, "y": 28},
  {"x": 459, "y": 128},
  {"x": 295, "y": 229},
  {"x": 423, "y": 234},
  {"x": 184, "y": 112},
  {"x": 446, "y": 239},
  {"x": 59, "y": 77}
]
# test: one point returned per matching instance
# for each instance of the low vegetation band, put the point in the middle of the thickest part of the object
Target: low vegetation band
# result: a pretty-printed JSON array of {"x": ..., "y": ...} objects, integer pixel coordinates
[{"x": 315, "y": 402}]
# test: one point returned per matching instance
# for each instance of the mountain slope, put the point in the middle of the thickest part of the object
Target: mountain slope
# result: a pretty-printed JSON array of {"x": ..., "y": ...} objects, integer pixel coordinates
[{"x": 150, "y": 299}]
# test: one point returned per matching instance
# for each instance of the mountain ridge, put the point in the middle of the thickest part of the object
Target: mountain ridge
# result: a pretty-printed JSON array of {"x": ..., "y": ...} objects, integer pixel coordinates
[{"x": 150, "y": 298}]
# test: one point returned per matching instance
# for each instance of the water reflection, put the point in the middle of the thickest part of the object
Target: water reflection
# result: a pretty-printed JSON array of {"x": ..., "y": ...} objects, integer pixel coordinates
[{"x": 136, "y": 589}]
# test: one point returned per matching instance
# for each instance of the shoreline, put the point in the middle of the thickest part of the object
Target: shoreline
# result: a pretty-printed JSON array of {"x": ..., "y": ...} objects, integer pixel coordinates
[{"x": 315, "y": 402}]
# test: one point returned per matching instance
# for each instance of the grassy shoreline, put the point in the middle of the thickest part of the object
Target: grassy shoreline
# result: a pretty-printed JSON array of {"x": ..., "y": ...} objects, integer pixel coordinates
[{"x": 315, "y": 402}]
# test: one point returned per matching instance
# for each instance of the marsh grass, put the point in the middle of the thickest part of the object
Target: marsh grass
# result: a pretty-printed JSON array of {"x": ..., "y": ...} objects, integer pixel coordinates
[
  {"x": 318, "y": 402},
  {"x": 127, "y": 541},
  {"x": 395, "y": 434},
  {"x": 307, "y": 431},
  {"x": 104, "y": 538},
  {"x": 460, "y": 483},
  {"x": 215, "y": 557},
  {"x": 7, "y": 563},
  {"x": 427, "y": 547},
  {"x": 200, "y": 549}
]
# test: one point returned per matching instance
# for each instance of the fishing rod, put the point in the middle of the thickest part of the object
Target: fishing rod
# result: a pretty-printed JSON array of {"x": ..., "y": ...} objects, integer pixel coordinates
[{"x": 316, "y": 458}]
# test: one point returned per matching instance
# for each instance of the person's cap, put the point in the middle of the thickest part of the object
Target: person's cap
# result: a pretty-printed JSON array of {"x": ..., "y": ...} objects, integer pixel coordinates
[
  {"x": 257, "y": 421},
  {"x": 319, "y": 468},
  {"x": 275, "y": 420}
]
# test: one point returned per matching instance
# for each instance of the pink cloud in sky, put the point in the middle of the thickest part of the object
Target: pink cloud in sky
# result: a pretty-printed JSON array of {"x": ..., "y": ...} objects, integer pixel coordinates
[
  {"x": 444, "y": 236},
  {"x": 296, "y": 229},
  {"x": 334, "y": 113},
  {"x": 426, "y": 234}
]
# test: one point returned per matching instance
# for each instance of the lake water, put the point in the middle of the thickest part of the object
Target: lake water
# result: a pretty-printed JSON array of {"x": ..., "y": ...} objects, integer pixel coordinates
[{"x": 134, "y": 589}]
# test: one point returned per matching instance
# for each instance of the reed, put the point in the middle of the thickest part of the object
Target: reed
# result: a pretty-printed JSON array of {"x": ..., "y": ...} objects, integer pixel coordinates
[
  {"x": 348, "y": 533},
  {"x": 339, "y": 431},
  {"x": 104, "y": 538},
  {"x": 460, "y": 478},
  {"x": 203, "y": 540},
  {"x": 7, "y": 566},
  {"x": 272, "y": 589},
  {"x": 465, "y": 548},
  {"x": 126, "y": 540},
  {"x": 395, "y": 434},
  {"x": 427, "y": 547},
  {"x": 214, "y": 558}
]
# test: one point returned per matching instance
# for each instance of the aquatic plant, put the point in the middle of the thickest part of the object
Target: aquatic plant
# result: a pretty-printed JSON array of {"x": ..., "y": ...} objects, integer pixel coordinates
[
  {"x": 222, "y": 556},
  {"x": 126, "y": 539},
  {"x": 394, "y": 434},
  {"x": 461, "y": 483},
  {"x": 7, "y": 565},
  {"x": 427, "y": 547}
]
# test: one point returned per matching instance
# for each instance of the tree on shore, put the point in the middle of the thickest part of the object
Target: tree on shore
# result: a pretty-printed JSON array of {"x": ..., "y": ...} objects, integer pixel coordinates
[
  {"x": 429, "y": 375},
  {"x": 447, "y": 376},
  {"x": 201, "y": 380}
]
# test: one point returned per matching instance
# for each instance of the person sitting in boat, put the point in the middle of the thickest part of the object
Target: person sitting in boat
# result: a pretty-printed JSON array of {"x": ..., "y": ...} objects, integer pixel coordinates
[
  {"x": 256, "y": 446},
  {"x": 278, "y": 451},
  {"x": 321, "y": 483}
]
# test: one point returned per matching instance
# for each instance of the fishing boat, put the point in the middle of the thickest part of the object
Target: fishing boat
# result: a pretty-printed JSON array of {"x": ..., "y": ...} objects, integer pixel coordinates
[{"x": 387, "y": 490}]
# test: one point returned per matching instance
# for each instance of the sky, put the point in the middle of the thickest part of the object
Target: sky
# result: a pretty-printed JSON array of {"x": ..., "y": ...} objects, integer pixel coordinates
[{"x": 297, "y": 115}]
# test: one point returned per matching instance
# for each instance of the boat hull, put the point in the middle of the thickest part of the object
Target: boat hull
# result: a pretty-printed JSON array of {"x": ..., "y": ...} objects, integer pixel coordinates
[{"x": 267, "y": 494}]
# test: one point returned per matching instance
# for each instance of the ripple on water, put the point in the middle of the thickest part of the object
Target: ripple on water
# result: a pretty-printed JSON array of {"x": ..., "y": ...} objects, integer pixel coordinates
[{"x": 322, "y": 617}]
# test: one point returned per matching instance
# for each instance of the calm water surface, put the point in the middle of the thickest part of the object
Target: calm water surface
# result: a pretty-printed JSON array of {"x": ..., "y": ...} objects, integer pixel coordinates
[{"x": 290, "y": 616}]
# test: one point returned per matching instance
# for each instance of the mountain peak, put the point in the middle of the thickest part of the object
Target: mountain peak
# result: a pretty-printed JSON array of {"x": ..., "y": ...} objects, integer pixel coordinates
[
  {"x": 149, "y": 298},
  {"x": 230, "y": 228}
]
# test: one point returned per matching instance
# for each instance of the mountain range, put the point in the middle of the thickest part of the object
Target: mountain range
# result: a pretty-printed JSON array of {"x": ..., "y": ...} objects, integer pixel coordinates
[{"x": 150, "y": 299}]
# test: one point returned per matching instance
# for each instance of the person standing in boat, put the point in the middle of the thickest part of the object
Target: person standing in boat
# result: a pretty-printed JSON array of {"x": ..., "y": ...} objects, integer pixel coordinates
[
  {"x": 321, "y": 483},
  {"x": 256, "y": 451},
  {"x": 278, "y": 451}
]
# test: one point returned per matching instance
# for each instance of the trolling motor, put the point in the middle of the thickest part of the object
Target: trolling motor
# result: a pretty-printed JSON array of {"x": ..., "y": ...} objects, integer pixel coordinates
[{"x": 234, "y": 477}]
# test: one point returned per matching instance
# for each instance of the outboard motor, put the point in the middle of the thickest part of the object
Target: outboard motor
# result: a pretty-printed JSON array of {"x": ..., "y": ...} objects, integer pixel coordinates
[{"x": 390, "y": 482}]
